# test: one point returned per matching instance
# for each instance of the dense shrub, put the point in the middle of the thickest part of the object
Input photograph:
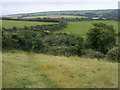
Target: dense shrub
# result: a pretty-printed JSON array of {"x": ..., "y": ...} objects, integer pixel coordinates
[
  {"x": 21, "y": 40},
  {"x": 114, "y": 54},
  {"x": 56, "y": 44},
  {"x": 89, "y": 53},
  {"x": 37, "y": 44},
  {"x": 11, "y": 41},
  {"x": 102, "y": 37},
  {"x": 63, "y": 39},
  {"x": 60, "y": 50},
  {"x": 28, "y": 37}
]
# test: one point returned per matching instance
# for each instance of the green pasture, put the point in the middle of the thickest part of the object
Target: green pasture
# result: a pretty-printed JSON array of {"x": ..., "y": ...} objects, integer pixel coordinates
[
  {"x": 29, "y": 70},
  {"x": 83, "y": 26},
  {"x": 20, "y": 24}
]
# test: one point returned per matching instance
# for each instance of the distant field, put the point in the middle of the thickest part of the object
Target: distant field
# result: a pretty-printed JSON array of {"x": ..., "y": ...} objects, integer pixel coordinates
[
  {"x": 30, "y": 70},
  {"x": 57, "y": 16},
  {"x": 72, "y": 12},
  {"x": 83, "y": 26},
  {"x": 20, "y": 24},
  {"x": 80, "y": 28}
]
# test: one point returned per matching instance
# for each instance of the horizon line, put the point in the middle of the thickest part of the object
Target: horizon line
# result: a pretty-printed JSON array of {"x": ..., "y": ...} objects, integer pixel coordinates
[{"x": 57, "y": 11}]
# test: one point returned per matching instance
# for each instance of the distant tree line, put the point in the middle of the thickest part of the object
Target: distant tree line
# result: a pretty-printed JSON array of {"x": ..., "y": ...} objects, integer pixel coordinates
[
  {"x": 114, "y": 15},
  {"x": 33, "y": 19}
]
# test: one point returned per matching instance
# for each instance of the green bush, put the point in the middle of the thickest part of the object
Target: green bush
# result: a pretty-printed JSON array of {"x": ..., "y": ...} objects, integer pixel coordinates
[
  {"x": 64, "y": 44},
  {"x": 37, "y": 44},
  {"x": 59, "y": 50},
  {"x": 11, "y": 41},
  {"x": 113, "y": 54},
  {"x": 89, "y": 53},
  {"x": 102, "y": 37},
  {"x": 63, "y": 40}
]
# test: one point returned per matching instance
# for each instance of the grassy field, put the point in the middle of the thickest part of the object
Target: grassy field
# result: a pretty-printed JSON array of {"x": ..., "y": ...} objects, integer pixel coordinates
[
  {"x": 56, "y": 16},
  {"x": 83, "y": 26},
  {"x": 22, "y": 69},
  {"x": 73, "y": 12},
  {"x": 20, "y": 24}
]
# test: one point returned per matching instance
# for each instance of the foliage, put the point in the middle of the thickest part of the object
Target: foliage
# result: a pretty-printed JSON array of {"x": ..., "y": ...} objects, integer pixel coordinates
[
  {"x": 62, "y": 39},
  {"x": 11, "y": 41},
  {"x": 40, "y": 39},
  {"x": 59, "y": 50},
  {"x": 114, "y": 54},
  {"x": 73, "y": 42},
  {"x": 102, "y": 37},
  {"x": 89, "y": 53},
  {"x": 38, "y": 45}
]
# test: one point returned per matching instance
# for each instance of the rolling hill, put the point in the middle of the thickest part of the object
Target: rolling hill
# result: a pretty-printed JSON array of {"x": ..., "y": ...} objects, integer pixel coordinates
[
  {"x": 29, "y": 70},
  {"x": 107, "y": 13}
]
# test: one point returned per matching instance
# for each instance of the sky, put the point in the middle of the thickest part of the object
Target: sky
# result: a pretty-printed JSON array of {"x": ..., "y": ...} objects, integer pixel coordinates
[{"x": 8, "y": 7}]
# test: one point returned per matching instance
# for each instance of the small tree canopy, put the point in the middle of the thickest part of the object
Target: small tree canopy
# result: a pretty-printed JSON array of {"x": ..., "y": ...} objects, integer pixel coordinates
[{"x": 102, "y": 37}]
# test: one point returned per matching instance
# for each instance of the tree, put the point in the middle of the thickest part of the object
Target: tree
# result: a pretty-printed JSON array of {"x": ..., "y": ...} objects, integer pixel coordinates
[
  {"x": 37, "y": 44},
  {"x": 14, "y": 28},
  {"x": 102, "y": 37},
  {"x": 26, "y": 28},
  {"x": 28, "y": 38}
]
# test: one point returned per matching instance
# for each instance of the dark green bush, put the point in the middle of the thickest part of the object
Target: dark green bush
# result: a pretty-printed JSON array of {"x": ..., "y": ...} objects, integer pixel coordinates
[
  {"x": 37, "y": 44},
  {"x": 89, "y": 53},
  {"x": 113, "y": 54},
  {"x": 64, "y": 43},
  {"x": 59, "y": 50},
  {"x": 63, "y": 40},
  {"x": 102, "y": 37},
  {"x": 10, "y": 41}
]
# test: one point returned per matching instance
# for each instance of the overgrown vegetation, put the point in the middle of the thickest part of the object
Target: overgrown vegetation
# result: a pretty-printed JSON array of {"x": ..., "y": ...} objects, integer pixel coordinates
[
  {"x": 114, "y": 54},
  {"x": 89, "y": 53},
  {"x": 100, "y": 39},
  {"x": 28, "y": 63}
]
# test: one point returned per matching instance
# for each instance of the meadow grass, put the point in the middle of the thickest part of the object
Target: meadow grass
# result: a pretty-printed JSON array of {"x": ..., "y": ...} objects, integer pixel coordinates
[
  {"x": 21, "y": 24},
  {"x": 21, "y": 69},
  {"x": 82, "y": 27}
]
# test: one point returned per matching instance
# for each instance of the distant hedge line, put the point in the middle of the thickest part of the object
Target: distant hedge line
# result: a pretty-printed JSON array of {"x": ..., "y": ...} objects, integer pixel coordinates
[
  {"x": 50, "y": 19},
  {"x": 49, "y": 27}
]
